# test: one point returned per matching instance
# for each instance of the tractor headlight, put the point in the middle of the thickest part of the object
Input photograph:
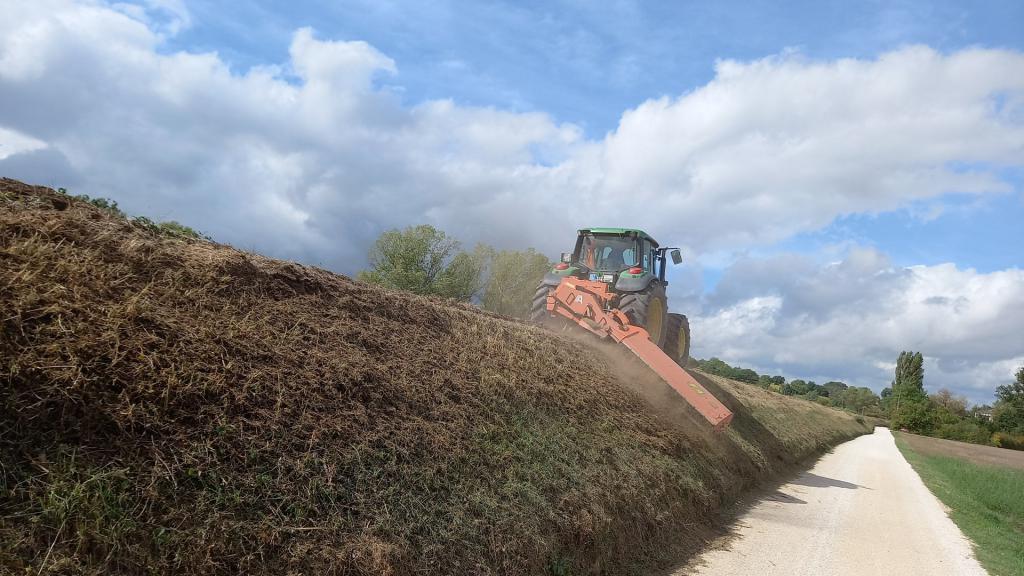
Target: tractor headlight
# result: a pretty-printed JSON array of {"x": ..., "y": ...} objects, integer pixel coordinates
[{"x": 608, "y": 278}]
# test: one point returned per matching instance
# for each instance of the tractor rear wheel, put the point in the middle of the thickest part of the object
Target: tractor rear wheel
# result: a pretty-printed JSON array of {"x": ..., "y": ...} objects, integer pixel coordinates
[
  {"x": 648, "y": 310},
  {"x": 677, "y": 341},
  {"x": 539, "y": 306}
]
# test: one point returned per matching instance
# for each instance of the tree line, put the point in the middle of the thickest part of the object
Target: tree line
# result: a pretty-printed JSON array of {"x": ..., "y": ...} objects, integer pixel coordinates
[
  {"x": 945, "y": 415},
  {"x": 906, "y": 403},
  {"x": 834, "y": 393}
]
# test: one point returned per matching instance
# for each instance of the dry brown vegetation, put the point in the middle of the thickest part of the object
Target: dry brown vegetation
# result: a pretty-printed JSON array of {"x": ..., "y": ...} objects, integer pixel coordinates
[
  {"x": 974, "y": 453},
  {"x": 170, "y": 405}
]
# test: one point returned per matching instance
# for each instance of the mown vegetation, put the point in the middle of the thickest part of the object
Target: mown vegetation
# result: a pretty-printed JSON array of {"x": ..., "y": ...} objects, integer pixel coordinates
[
  {"x": 985, "y": 502},
  {"x": 169, "y": 405}
]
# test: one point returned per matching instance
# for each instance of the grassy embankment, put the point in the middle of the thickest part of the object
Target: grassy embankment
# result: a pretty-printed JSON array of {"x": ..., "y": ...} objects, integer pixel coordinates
[
  {"x": 171, "y": 405},
  {"x": 986, "y": 501}
]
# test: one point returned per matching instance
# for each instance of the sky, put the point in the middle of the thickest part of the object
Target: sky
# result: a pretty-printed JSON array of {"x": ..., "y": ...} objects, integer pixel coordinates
[{"x": 846, "y": 180}]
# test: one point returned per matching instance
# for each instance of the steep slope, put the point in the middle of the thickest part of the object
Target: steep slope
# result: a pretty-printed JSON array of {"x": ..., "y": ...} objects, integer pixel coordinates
[{"x": 174, "y": 405}]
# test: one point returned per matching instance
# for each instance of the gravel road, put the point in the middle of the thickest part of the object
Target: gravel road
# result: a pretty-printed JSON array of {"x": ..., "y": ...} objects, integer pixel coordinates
[{"x": 860, "y": 510}]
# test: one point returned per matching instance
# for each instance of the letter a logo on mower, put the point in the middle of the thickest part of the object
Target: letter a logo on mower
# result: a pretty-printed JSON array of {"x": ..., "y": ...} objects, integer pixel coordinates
[{"x": 579, "y": 298}]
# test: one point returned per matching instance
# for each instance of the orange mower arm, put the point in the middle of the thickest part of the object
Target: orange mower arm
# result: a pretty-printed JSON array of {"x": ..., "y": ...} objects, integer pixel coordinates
[{"x": 584, "y": 302}]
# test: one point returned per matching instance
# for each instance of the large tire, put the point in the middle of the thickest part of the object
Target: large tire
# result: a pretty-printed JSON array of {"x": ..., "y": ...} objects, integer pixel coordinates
[
  {"x": 648, "y": 310},
  {"x": 677, "y": 341},
  {"x": 539, "y": 306}
]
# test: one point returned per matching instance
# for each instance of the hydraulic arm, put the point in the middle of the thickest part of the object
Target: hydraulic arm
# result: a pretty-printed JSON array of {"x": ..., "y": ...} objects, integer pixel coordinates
[{"x": 587, "y": 303}]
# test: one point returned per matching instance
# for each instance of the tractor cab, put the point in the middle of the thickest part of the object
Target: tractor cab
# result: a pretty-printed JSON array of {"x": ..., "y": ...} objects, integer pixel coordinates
[{"x": 626, "y": 258}]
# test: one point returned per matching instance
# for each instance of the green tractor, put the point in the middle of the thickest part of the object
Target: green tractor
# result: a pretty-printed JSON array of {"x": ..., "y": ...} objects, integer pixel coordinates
[{"x": 631, "y": 266}]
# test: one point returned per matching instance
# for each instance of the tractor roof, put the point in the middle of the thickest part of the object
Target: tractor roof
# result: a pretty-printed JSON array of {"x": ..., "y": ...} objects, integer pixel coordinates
[{"x": 636, "y": 231}]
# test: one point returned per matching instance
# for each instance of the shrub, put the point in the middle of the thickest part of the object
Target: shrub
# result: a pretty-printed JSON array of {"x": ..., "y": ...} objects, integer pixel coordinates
[
  {"x": 170, "y": 228},
  {"x": 101, "y": 203},
  {"x": 173, "y": 228},
  {"x": 916, "y": 417},
  {"x": 964, "y": 431},
  {"x": 1011, "y": 441}
]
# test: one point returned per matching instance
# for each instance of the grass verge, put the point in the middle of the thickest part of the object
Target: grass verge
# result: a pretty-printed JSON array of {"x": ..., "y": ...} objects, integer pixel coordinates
[{"x": 986, "y": 502}]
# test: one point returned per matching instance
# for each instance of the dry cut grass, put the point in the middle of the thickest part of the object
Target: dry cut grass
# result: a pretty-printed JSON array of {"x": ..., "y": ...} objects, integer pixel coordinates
[{"x": 170, "y": 405}]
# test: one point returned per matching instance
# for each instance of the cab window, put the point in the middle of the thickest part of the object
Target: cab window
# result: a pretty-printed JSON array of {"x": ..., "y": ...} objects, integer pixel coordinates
[
  {"x": 607, "y": 253},
  {"x": 648, "y": 256}
]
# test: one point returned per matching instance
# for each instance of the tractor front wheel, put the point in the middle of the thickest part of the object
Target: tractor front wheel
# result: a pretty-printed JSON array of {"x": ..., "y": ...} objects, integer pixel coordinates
[
  {"x": 648, "y": 310},
  {"x": 539, "y": 306},
  {"x": 677, "y": 341}
]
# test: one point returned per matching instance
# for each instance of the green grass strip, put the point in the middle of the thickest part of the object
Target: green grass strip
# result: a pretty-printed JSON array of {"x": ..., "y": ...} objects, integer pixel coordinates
[{"x": 986, "y": 502}]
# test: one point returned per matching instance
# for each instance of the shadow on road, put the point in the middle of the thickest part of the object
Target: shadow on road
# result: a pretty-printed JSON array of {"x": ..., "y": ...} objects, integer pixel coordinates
[
  {"x": 718, "y": 532},
  {"x": 778, "y": 496},
  {"x": 815, "y": 481}
]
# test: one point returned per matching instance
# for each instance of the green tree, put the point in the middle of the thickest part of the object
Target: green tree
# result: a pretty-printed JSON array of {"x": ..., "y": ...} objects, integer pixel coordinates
[
  {"x": 796, "y": 387},
  {"x": 715, "y": 366},
  {"x": 766, "y": 382},
  {"x": 513, "y": 280},
  {"x": 909, "y": 372},
  {"x": 1013, "y": 392},
  {"x": 744, "y": 375},
  {"x": 462, "y": 279},
  {"x": 916, "y": 416},
  {"x": 424, "y": 260},
  {"x": 859, "y": 399},
  {"x": 911, "y": 408},
  {"x": 1008, "y": 413},
  {"x": 720, "y": 368},
  {"x": 833, "y": 388}
]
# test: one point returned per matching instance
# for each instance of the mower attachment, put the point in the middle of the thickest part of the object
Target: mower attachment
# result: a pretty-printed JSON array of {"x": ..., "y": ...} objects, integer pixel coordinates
[{"x": 583, "y": 302}]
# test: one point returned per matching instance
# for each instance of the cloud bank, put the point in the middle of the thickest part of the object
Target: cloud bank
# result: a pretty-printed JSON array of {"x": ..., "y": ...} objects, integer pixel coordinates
[{"x": 852, "y": 317}]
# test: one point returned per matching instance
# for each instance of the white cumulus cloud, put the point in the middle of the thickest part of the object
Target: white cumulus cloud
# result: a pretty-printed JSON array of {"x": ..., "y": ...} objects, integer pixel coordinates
[
  {"x": 853, "y": 317},
  {"x": 309, "y": 158}
]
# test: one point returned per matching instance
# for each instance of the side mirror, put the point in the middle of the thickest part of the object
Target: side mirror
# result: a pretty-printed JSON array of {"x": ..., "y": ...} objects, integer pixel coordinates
[
  {"x": 567, "y": 257},
  {"x": 677, "y": 258}
]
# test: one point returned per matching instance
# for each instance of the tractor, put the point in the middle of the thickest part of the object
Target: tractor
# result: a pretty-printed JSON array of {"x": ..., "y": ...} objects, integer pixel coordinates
[
  {"x": 632, "y": 264},
  {"x": 613, "y": 286}
]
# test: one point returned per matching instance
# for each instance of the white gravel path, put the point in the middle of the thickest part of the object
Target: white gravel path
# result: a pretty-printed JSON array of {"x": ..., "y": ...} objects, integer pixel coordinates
[{"x": 860, "y": 510}]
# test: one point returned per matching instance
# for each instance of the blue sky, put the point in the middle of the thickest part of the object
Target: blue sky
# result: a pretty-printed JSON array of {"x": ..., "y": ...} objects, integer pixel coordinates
[
  {"x": 846, "y": 179},
  {"x": 585, "y": 62}
]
